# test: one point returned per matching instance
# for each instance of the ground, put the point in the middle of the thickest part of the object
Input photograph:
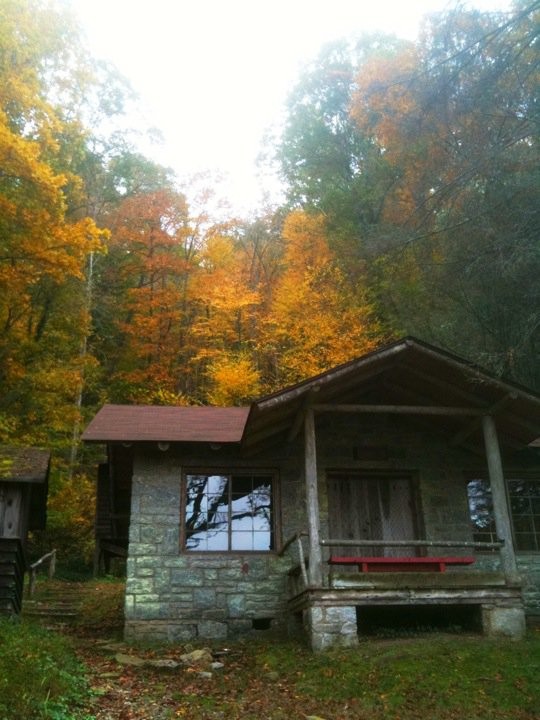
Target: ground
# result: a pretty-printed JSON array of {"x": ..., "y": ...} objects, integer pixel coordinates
[
  {"x": 276, "y": 680},
  {"x": 415, "y": 674}
]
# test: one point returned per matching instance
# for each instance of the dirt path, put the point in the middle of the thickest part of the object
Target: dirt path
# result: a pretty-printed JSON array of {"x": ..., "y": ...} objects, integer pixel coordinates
[{"x": 197, "y": 692}]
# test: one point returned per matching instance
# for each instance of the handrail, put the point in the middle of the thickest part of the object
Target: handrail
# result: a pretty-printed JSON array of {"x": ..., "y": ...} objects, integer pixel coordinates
[
  {"x": 51, "y": 556},
  {"x": 414, "y": 543},
  {"x": 289, "y": 541},
  {"x": 301, "y": 557}
]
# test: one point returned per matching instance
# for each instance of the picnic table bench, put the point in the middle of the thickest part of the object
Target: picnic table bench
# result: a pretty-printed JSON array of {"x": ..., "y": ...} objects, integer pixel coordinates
[{"x": 401, "y": 564}]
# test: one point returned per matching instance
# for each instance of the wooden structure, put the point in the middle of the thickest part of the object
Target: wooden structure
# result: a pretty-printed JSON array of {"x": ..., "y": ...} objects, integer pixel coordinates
[
  {"x": 113, "y": 497},
  {"x": 24, "y": 474},
  {"x": 369, "y": 460}
]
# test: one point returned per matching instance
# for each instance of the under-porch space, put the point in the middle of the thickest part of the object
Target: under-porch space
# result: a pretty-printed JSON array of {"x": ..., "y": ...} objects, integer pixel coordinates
[{"x": 333, "y": 615}]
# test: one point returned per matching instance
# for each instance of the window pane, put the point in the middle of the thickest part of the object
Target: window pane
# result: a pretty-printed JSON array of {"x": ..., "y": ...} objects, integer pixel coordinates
[
  {"x": 262, "y": 541},
  {"x": 480, "y": 505},
  {"x": 228, "y": 513},
  {"x": 251, "y": 510},
  {"x": 524, "y": 496},
  {"x": 526, "y": 541},
  {"x": 218, "y": 540},
  {"x": 207, "y": 512},
  {"x": 242, "y": 541}
]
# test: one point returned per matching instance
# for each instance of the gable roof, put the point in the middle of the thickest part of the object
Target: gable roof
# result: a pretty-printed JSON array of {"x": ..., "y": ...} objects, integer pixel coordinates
[
  {"x": 406, "y": 372},
  {"x": 141, "y": 423}
]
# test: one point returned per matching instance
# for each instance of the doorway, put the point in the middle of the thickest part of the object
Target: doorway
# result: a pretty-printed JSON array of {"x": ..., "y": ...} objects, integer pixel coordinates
[{"x": 372, "y": 507}]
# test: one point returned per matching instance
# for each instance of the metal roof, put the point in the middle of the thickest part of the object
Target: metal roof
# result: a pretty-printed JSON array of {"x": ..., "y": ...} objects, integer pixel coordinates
[{"x": 141, "y": 423}]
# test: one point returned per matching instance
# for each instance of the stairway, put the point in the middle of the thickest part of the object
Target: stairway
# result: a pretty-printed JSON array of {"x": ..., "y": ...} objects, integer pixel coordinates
[
  {"x": 55, "y": 604},
  {"x": 12, "y": 566}
]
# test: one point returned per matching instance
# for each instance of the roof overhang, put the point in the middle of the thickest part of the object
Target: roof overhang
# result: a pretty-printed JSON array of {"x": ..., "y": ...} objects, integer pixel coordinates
[
  {"x": 398, "y": 377},
  {"x": 150, "y": 423},
  {"x": 24, "y": 464},
  {"x": 403, "y": 375}
]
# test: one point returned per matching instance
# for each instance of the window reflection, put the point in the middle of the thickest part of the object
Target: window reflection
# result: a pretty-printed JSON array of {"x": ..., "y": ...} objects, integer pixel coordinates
[
  {"x": 524, "y": 499},
  {"x": 229, "y": 512}
]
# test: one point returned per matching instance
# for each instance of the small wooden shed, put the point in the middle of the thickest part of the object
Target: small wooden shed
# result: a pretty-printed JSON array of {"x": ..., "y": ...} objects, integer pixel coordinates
[{"x": 24, "y": 475}]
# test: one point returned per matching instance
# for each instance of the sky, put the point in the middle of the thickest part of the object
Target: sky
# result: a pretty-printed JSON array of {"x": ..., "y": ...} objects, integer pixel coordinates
[{"x": 213, "y": 75}]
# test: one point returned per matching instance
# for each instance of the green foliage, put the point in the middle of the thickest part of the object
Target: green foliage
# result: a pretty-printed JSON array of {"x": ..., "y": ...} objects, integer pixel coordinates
[
  {"x": 40, "y": 677},
  {"x": 424, "y": 159},
  {"x": 70, "y": 523}
]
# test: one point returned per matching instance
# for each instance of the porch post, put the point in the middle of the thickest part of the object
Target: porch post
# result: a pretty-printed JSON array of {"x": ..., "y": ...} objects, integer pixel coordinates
[
  {"x": 312, "y": 500},
  {"x": 501, "y": 511}
]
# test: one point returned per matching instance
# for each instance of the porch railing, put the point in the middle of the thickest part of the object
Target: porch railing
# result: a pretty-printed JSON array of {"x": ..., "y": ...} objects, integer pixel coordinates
[
  {"x": 296, "y": 541},
  {"x": 301, "y": 568},
  {"x": 415, "y": 543}
]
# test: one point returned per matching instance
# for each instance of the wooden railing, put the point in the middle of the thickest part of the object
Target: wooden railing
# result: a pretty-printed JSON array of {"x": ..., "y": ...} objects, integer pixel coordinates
[
  {"x": 415, "y": 543},
  {"x": 302, "y": 560},
  {"x": 50, "y": 557},
  {"x": 301, "y": 569}
]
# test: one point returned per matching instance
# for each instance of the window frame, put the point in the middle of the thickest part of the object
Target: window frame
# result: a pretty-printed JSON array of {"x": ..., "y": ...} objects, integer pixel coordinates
[
  {"x": 230, "y": 472},
  {"x": 510, "y": 477}
]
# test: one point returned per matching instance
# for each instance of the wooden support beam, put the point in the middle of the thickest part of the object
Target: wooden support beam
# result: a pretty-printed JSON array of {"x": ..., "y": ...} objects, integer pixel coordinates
[
  {"x": 300, "y": 415},
  {"x": 401, "y": 409},
  {"x": 312, "y": 500},
  {"x": 474, "y": 425},
  {"x": 501, "y": 511}
]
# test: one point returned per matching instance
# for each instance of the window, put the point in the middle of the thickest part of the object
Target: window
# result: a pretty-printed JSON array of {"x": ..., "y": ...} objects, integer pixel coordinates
[
  {"x": 226, "y": 512},
  {"x": 524, "y": 499},
  {"x": 525, "y": 508}
]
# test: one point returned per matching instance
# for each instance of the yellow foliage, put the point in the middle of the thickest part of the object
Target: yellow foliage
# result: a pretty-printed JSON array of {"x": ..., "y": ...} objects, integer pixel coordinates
[
  {"x": 234, "y": 381},
  {"x": 316, "y": 321}
]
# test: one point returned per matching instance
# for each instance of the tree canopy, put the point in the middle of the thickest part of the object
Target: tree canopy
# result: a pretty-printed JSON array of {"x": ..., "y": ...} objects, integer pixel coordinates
[{"x": 412, "y": 207}]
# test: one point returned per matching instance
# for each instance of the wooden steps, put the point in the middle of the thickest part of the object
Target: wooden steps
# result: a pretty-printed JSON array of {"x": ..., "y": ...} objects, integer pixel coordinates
[
  {"x": 55, "y": 604},
  {"x": 12, "y": 568}
]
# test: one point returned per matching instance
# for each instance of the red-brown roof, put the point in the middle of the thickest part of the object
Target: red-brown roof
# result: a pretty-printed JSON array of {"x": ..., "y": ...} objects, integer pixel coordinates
[{"x": 140, "y": 423}]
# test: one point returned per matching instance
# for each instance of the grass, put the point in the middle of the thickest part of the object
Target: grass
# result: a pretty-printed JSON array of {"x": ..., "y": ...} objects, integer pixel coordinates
[
  {"x": 437, "y": 676},
  {"x": 40, "y": 677},
  {"x": 431, "y": 676}
]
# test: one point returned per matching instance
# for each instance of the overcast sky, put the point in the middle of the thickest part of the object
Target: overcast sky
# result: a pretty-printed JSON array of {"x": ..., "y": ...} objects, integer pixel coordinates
[{"x": 213, "y": 75}]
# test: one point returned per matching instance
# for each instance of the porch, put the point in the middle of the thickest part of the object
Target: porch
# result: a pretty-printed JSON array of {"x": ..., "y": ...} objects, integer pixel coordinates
[{"x": 337, "y": 611}]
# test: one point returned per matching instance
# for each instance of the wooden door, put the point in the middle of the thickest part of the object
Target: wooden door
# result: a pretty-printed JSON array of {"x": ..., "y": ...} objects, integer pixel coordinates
[{"x": 371, "y": 507}]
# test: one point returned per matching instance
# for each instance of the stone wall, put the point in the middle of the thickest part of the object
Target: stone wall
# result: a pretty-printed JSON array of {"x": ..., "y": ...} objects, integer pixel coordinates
[
  {"x": 176, "y": 596},
  {"x": 173, "y": 596}
]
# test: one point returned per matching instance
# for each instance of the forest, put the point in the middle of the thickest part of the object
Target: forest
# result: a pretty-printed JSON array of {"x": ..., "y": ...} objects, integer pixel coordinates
[{"x": 412, "y": 206}]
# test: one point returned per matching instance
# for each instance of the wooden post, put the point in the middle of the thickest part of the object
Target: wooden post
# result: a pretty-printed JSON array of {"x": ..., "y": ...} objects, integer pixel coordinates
[
  {"x": 312, "y": 500},
  {"x": 501, "y": 510}
]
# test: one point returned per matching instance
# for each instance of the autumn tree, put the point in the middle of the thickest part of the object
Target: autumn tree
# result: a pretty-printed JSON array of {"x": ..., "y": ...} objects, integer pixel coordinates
[
  {"x": 42, "y": 250},
  {"x": 328, "y": 163},
  {"x": 316, "y": 318},
  {"x": 457, "y": 118}
]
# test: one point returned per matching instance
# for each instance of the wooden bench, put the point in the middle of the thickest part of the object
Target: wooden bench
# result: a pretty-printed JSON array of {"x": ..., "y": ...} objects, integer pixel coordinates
[{"x": 401, "y": 564}]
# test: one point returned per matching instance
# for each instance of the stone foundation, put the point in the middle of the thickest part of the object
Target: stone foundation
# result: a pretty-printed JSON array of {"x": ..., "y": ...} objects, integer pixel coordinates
[
  {"x": 506, "y": 622},
  {"x": 328, "y": 627}
]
